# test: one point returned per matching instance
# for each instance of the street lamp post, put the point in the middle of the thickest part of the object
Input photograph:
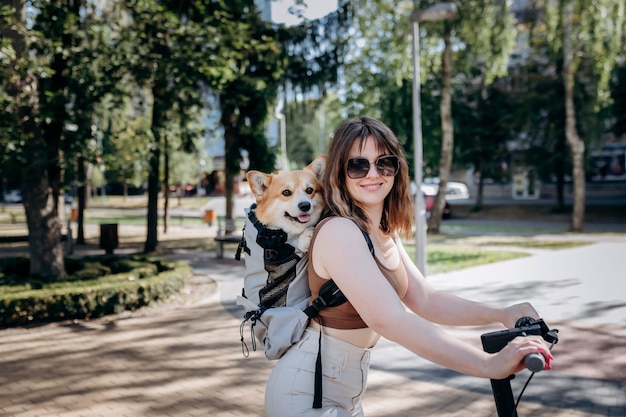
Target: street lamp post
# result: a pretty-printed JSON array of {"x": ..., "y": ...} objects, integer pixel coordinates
[
  {"x": 442, "y": 11},
  {"x": 283, "y": 140}
]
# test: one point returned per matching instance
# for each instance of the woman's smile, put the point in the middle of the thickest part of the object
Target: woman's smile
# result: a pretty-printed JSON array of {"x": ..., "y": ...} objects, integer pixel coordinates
[{"x": 372, "y": 187}]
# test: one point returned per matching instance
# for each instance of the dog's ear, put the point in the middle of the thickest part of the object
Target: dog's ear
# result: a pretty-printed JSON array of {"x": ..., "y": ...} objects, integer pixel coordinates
[
  {"x": 318, "y": 166},
  {"x": 258, "y": 182}
]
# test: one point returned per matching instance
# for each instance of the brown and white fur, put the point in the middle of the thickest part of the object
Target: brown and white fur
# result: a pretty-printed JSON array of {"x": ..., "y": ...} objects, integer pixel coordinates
[{"x": 291, "y": 201}]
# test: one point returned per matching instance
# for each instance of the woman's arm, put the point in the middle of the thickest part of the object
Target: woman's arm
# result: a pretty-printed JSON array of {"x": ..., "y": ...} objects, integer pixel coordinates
[
  {"x": 446, "y": 308},
  {"x": 341, "y": 253}
]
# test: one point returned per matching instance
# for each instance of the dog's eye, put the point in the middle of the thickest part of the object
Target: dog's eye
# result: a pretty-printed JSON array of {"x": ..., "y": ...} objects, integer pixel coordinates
[
  {"x": 287, "y": 193},
  {"x": 309, "y": 190}
]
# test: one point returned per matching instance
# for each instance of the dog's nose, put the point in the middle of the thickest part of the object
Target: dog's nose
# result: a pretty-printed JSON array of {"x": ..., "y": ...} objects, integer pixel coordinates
[{"x": 304, "y": 206}]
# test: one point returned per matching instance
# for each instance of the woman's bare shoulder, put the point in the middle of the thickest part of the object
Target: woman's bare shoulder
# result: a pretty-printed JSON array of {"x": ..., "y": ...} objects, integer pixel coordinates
[
  {"x": 338, "y": 224},
  {"x": 339, "y": 233}
]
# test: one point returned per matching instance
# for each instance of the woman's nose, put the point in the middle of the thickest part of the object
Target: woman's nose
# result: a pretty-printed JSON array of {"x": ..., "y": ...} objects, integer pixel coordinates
[{"x": 375, "y": 168}]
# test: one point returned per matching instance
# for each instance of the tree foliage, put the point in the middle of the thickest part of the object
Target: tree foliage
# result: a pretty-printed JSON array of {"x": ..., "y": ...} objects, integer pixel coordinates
[
  {"x": 52, "y": 78},
  {"x": 583, "y": 40}
]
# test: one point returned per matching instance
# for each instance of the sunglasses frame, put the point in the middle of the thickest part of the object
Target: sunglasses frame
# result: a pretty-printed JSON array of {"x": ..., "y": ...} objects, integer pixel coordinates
[{"x": 375, "y": 163}]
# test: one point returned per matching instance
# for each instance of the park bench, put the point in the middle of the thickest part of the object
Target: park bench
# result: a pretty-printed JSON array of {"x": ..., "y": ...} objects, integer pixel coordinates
[{"x": 223, "y": 238}]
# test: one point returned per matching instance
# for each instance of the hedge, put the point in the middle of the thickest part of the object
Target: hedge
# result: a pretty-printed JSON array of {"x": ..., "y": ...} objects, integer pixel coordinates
[{"x": 78, "y": 298}]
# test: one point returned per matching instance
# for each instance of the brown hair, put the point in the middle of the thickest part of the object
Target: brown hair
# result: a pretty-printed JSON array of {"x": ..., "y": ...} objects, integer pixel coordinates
[{"x": 398, "y": 208}]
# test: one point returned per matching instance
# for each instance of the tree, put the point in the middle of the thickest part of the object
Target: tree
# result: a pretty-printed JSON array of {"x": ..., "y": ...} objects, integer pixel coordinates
[
  {"x": 270, "y": 59},
  {"x": 40, "y": 180},
  {"x": 484, "y": 33},
  {"x": 447, "y": 133},
  {"x": 46, "y": 51},
  {"x": 485, "y": 117},
  {"x": 576, "y": 144},
  {"x": 537, "y": 119},
  {"x": 126, "y": 135},
  {"x": 589, "y": 34},
  {"x": 309, "y": 127},
  {"x": 245, "y": 99},
  {"x": 96, "y": 77},
  {"x": 378, "y": 75},
  {"x": 175, "y": 51},
  {"x": 479, "y": 39}
]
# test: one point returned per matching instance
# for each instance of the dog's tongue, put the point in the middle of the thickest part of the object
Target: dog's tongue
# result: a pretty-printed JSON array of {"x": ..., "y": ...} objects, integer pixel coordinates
[{"x": 304, "y": 218}]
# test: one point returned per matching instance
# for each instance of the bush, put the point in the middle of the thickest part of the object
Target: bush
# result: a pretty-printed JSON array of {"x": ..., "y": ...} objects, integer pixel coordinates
[
  {"x": 98, "y": 286},
  {"x": 11, "y": 269}
]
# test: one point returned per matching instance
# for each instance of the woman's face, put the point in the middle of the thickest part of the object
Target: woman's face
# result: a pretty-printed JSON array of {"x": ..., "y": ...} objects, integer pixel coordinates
[{"x": 372, "y": 189}]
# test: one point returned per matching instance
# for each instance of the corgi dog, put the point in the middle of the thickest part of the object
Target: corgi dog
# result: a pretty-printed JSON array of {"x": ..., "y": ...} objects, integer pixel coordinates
[{"x": 290, "y": 201}]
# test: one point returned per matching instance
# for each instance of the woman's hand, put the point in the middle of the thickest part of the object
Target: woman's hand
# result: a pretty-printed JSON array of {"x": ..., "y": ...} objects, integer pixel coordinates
[
  {"x": 510, "y": 359},
  {"x": 513, "y": 313}
]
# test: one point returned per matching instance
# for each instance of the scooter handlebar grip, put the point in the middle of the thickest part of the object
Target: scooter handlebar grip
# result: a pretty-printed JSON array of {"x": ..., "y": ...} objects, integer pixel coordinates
[{"x": 535, "y": 362}]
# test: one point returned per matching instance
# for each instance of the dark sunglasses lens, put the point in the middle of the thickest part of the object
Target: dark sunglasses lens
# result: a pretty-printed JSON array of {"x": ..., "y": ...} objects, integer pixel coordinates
[
  {"x": 358, "y": 167},
  {"x": 387, "y": 165}
]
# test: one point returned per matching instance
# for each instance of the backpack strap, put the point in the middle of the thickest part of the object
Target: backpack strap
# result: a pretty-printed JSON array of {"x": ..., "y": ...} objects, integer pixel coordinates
[
  {"x": 368, "y": 239},
  {"x": 329, "y": 296},
  {"x": 266, "y": 238}
]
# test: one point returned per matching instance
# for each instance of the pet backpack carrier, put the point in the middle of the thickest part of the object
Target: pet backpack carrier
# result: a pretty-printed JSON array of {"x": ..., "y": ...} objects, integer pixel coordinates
[{"x": 276, "y": 292}]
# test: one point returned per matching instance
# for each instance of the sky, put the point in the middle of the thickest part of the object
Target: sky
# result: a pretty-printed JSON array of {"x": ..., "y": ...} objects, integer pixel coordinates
[{"x": 315, "y": 10}]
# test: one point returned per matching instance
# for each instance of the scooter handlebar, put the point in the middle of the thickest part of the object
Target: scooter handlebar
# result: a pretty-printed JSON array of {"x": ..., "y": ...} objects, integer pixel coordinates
[
  {"x": 535, "y": 362},
  {"x": 525, "y": 326}
]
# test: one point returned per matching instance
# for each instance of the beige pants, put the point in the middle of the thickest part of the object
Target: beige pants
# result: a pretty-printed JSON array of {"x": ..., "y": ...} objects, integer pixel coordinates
[{"x": 289, "y": 391}]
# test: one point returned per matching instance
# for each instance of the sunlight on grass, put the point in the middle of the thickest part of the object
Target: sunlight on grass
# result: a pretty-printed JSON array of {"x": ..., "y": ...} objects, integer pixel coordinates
[
  {"x": 516, "y": 241},
  {"x": 187, "y": 203},
  {"x": 498, "y": 228},
  {"x": 537, "y": 244},
  {"x": 445, "y": 258}
]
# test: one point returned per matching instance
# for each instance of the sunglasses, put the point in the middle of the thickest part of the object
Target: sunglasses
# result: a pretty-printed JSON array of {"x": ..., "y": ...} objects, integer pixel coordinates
[{"x": 386, "y": 165}]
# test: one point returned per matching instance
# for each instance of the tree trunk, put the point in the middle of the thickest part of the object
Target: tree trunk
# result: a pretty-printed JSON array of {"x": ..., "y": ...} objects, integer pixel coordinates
[
  {"x": 480, "y": 190},
  {"x": 447, "y": 139},
  {"x": 231, "y": 162},
  {"x": 81, "y": 196},
  {"x": 153, "y": 198},
  {"x": 166, "y": 182},
  {"x": 44, "y": 225},
  {"x": 480, "y": 194},
  {"x": 154, "y": 174},
  {"x": 229, "y": 180},
  {"x": 576, "y": 145},
  {"x": 560, "y": 174},
  {"x": 39, "y": 197}
]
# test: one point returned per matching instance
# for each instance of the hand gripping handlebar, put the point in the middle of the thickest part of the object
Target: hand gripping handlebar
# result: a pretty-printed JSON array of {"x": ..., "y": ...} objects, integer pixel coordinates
[{"x": 494, "y": 342}]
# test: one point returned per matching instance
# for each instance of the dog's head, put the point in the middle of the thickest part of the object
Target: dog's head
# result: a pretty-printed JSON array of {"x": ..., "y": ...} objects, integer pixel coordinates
[{"x": 291, "y": 201}]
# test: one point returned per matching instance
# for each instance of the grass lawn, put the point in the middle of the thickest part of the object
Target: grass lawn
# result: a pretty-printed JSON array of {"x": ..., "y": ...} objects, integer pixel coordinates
[{"x": 446, "y": 258}]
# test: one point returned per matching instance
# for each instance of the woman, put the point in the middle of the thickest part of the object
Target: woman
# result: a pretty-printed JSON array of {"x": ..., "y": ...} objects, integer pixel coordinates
[{"x": 367, "y": 189}]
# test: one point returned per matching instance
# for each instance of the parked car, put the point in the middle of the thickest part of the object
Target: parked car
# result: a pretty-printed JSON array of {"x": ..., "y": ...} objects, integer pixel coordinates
[
  {"x": 455, "y": 190},
  {"x": 13, "y": 196},
  {"x": 430, "y": 193}
]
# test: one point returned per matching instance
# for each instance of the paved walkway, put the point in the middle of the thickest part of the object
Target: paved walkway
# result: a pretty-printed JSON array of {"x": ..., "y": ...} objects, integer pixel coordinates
[{"x": 184, "y": 358}]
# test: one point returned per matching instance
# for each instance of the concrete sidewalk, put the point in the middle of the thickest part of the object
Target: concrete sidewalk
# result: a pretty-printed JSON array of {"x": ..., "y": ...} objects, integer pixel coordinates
[{"x": 185, "y": 359}]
